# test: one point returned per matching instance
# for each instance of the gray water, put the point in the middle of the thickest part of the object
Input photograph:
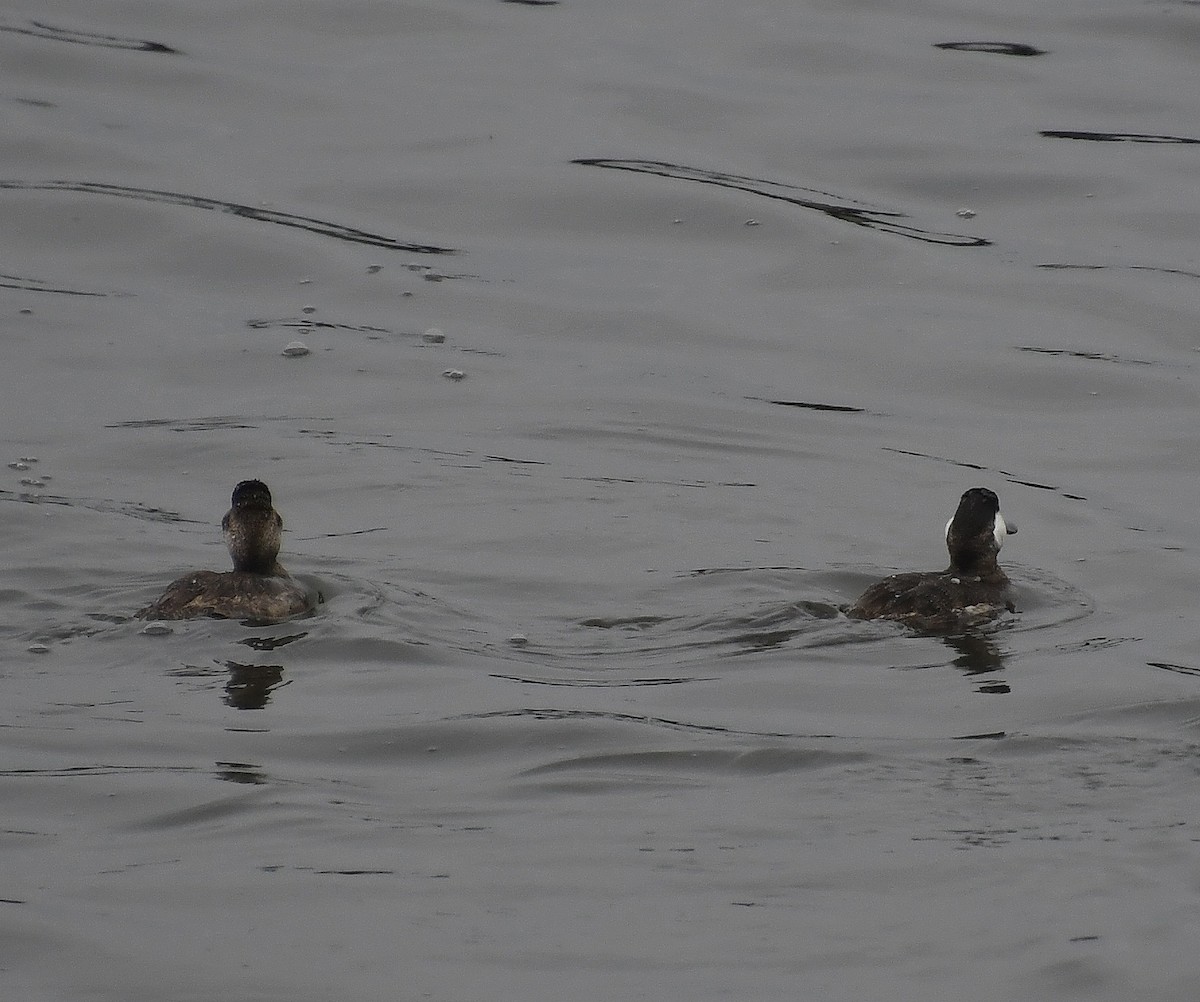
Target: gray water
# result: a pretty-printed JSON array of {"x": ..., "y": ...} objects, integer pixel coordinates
[{"x": 743, "y": 297}]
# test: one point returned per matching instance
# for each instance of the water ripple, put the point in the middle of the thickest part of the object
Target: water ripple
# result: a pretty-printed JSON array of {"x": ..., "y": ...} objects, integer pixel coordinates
[
  {"x": 39, "y": 29},
  {"x": 257, "y": 213},
  {"x": 847, "y": 210}
]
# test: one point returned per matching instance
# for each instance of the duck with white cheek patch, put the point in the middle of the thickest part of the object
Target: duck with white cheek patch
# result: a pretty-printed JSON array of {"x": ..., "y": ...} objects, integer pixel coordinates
[{"x": 972, "y": 590}]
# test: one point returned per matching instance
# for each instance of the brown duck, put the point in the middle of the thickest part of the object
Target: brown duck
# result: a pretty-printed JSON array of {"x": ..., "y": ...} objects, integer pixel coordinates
[
  {"x": 972, "y": 590},
  {"x": 258, "y": 588}
]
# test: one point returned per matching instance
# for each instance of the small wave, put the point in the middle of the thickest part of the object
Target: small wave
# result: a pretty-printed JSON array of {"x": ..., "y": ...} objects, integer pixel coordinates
[
  {"x": 755, "y": 762},
  {"x": 810, "y": 406},
  {"x": 1012, "y": 478},
  {"x": 1091, "y": 356},
  {"x": 1117, "y": 137},
  {"x": 257, "y": 213},
  {"x": 23, "y": 284},
  {"x": 846, "y": 210},
  {"x": 558, "y": 713},
  {"x": 134, "y": 509},
  {"x": 994, "y": 48},
  {"x": 39, "y": 29},
  {"x": 1064, "y": 266}
]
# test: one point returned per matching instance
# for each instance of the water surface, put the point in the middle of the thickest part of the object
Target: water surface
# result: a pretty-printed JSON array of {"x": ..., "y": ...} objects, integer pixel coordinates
[{"x": 742, "y": 299}]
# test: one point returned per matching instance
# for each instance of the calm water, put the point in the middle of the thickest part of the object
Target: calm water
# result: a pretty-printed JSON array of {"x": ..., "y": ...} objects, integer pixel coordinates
[{"x": 742, "y": 298}]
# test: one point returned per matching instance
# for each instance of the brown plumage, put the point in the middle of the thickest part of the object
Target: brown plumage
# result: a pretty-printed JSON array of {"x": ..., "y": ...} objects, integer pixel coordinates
[
  {"x": 972, "y": 590},
  {"x": 258, "y": 588}
]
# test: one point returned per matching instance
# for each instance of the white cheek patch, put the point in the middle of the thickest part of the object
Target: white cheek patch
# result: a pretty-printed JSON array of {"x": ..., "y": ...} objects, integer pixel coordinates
[
  {"x": 949, "y": 522},
  {"x": 999, "y": 530}
]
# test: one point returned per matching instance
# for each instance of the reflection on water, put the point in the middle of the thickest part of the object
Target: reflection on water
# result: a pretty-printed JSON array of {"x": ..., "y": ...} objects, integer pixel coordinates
[
  {"x": 975, "y": 654},
  {"x": 249, "y": 687},
  {"x": 245, "y": 687},
  {"x": 978, "y": 654},
  {"x": 242, "y": 773}
]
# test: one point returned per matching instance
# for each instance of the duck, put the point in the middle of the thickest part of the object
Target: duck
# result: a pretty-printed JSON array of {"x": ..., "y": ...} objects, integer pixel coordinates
[
  {"x": 258, "y": 588},
  {"x": 973, "y": 590}
]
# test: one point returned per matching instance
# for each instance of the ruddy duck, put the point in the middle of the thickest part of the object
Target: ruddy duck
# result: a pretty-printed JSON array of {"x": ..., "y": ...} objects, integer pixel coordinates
[
  {"x": 258, "y": 588},
  {"x": 972, "y": 590}
]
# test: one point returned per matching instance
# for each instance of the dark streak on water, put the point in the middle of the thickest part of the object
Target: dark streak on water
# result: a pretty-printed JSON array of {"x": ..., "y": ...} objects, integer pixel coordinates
[
  {"x": 133, "y": 508},
  {"x": 1011, "y": 477},
  {"x": 598, "y": 683},
  {"x": 1116, "y": 137},
  {"x": 39, "y": 29},
  {"x": 806, "y": 405},
  {"x": 318, "y": 226},
  {"x": 303, "y": 323},
  {"x": 37, "y": 285},
  {"x": 555, "y": 713},
  {"x": 661, "y": 483},
  {"x": 702, "y": 571},
  {"x": 939, "y": 459},
  {"x": 518, "y": 462},
  {"x": 1094, "y": 356},
  {"x": 996, "y": 48},
  {"x": 849, "y": 211},
  {"x": 1128, "y": 267},
  {"x": 76, "y": 771},
  {"x": 339, "y": 535},
  {"x": 203, "y": 424},
  {"x": 1180, "y": 669}
]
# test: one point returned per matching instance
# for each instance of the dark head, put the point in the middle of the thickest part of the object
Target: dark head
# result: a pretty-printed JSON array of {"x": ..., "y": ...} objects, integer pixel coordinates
[
  {"x": 251, "y": 494},
  {"x": 253, "y": 529},
  {"x": 976, "y": 532}
]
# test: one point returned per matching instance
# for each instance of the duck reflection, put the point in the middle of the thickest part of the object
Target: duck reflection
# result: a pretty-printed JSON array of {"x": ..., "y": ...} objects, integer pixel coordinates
[
  {"x": 978, "y": 654},
  {"x": 249, "y": 687}
]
